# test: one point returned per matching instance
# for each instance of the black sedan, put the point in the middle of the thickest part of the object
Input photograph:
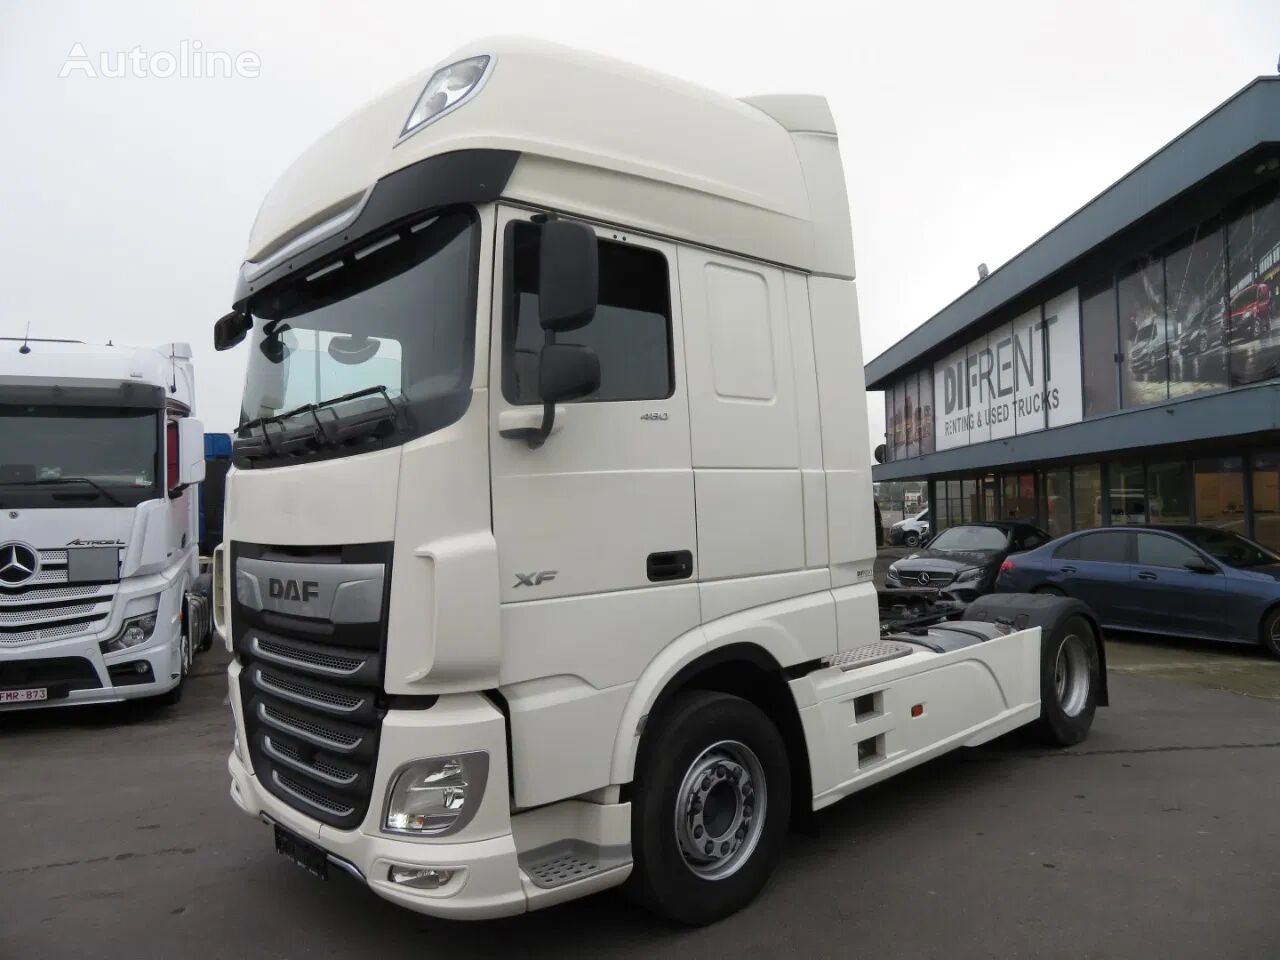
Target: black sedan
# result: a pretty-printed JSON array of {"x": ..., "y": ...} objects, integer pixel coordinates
[
  {"x": 1174, "y": 580},
  {"x": 963, "y": 561}
]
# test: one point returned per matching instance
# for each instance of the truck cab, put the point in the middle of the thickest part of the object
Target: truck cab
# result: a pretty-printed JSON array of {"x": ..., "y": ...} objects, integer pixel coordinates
[
  {"x": 548, "y": 542},
  {"x": 100, "y": 458}
]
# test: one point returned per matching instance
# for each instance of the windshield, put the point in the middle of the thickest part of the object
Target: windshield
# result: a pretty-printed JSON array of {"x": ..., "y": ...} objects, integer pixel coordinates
[
  {"x": 77, "y": 456},
  {"x": 1230, "y": 548},
  {"x": 966, "y": 539},
  {"x": 395, "y": 314}
]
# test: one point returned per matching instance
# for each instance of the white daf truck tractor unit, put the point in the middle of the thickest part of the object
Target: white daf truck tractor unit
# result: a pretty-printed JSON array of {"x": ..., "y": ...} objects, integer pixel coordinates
[
  {"x": 99, "y": 458},
  {"x": 548, "y": 546}
]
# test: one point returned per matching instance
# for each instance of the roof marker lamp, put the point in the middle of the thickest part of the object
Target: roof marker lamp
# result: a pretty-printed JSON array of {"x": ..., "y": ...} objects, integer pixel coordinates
[{"x": 448, "y": 88}]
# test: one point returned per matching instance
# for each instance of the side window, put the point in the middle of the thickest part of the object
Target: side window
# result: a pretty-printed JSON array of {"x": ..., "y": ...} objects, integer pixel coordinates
[
  {"x": 631, "y": 331},
  {"x": 1157, "y": 551},
  {"x": 1069, "y": 550},
  {"x": 1030, "y": 539},
  {"x": 1105, "y": 547}
]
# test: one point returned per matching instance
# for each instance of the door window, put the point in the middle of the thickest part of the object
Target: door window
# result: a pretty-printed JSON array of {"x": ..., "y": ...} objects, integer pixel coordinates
[
  {"x": 1102, "y": 547},
  {"x": 631, "y": 331},
  {"x": 1157, "y": 551}
]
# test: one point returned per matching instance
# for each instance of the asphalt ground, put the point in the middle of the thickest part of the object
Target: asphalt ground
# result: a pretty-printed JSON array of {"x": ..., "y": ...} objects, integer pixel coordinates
[{"x": 1157, "y": 837}]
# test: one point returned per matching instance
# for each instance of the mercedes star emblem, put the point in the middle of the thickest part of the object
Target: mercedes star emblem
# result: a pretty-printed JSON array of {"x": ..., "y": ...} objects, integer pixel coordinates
[
  {"x": 924, "y": 579},
  {"x": 18, "y": 564}
]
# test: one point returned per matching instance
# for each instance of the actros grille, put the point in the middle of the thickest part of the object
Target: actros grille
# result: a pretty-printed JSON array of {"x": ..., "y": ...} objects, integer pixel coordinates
[
  {"x": 310, "y": 684},
  {"x": 36, "y": 613}
]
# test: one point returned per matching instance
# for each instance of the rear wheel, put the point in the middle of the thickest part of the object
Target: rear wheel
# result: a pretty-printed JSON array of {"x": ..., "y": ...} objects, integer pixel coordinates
[
  {"x": 710, "y": 810},
  {"x": 1068, "y": 681},
  {"x": 1271, "y": 632},
  {"x": 911, "y": 539}
]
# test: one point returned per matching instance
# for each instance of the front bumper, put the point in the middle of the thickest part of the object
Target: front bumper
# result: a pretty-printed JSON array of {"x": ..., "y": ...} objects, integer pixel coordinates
[
  {"x": 489, "y": 880},
  {"x": 161, "y": 655}
]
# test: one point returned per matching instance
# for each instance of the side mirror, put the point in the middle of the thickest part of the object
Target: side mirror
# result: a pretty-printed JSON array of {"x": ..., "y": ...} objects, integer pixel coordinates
[
  {"x": 1199, "y": 566},
  {"x": 567, "y": 371},
  {"x": 185, "y": 454},
  {"x": 568, "y": 276},
  {"x": 230, "y": 330}
]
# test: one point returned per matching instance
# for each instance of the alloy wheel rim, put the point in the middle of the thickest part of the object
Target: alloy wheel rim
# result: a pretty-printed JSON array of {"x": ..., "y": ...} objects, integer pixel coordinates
[
  {"x": 720, "y": 810},
  {"x": 1071, "y": 675}
]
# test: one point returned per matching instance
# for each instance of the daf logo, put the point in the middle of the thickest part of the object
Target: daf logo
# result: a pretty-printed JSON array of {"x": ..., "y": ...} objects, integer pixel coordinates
[
  {"x": 18, "y": 564},
  {"x": 924, "y": 579}
]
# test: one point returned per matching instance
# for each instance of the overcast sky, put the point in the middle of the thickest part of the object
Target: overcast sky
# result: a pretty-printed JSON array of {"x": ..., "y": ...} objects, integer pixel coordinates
[{"x": 967, "y": 130}]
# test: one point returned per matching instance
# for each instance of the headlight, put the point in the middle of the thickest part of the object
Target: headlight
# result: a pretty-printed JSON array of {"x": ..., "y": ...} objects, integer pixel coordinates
[
  {"x": 445, "y": 91},
  {"x": 893, "y": 571},
  {"x": 436, "y": 796},
  {"x": 972, "y": 573},
  {"x": 134, "y": 631}
]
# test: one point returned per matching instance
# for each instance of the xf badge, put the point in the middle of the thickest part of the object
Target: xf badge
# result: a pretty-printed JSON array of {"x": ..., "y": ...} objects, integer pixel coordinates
[{"x": 534, "y": 579}]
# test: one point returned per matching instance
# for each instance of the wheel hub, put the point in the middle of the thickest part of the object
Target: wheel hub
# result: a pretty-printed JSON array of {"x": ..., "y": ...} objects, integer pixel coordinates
[
  {"x": 1071, "y": 675},
  {"x": 720, "y": 809}
]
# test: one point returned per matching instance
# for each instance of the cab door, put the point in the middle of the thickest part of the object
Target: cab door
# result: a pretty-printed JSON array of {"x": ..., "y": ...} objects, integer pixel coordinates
[{"x": 605, "y": 505}]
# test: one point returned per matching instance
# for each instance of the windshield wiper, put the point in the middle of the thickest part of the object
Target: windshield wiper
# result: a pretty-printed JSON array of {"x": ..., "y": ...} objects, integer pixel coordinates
[
  {"x": 54, "y": 481},
  {"x": 334, "y": 431}
]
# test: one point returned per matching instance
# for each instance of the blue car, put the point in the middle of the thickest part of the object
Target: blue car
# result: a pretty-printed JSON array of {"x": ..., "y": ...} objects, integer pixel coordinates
[{"x": 1172, "y": 580}]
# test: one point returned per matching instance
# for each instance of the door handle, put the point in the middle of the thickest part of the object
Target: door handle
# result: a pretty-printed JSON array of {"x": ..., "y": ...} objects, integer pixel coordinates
[
  {"x": 1068, "y": 569},
  {"x": 1147, "y": 575},
  {"x": 670, "y": 565},
  {"x": 515, "y": 423}
]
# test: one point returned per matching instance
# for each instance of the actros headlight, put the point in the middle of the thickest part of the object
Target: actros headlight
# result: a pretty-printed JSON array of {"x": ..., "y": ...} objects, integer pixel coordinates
[
  {"x": 133, "y": 631},
  {"x": 436, "y": 796},
  {"x": 445, "y": 91}
]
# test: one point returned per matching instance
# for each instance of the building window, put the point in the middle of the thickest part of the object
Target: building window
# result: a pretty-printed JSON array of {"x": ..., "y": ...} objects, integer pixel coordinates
[
  {"x": 1056, "y": 501},
  {"x": 1169, "y": 492},
  {"x": 1143, "y": 335},
  {"x": 1087, "y": 483},
  {"x": 926, "y": 410},
  {"x": 990, "y": 499},
  {"x": 1019, "y": 497},
  {"x": 1253, "y": 307},
  {"x": 911, "y": 416},
  {"x": 1128, "y": 494},
  {"x": 1195, "y": 276},
  {"x": 968, "y": 501},
  {"x": 1266, "y": 498},
  {"x": 1098, "y": 350},
  {"x": 630, "y": 333},
  {"x": 1220, "y": 493}
]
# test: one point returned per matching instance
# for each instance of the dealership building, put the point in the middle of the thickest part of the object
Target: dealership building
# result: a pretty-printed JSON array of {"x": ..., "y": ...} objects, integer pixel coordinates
[{"x": 1125, "y": 367}]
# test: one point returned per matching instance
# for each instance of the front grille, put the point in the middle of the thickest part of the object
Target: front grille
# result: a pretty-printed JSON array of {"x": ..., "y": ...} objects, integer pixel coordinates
[
  {"x": 36, "y": 613},
  {"x": 911, "y": 579},
  {"x": 310, "y": 690}
]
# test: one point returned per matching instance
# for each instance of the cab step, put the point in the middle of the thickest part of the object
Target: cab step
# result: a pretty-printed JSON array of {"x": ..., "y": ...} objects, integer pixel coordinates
[
  {"x": 569, "y": 861},
  {"x": 869, "y": 654}
]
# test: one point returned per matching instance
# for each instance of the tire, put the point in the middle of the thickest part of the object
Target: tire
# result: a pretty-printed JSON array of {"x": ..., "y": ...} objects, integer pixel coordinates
[
  {"x": 1271, "y": 633},
  {"x": 729, "y": 739},
  {"x": 911, "y": 539},
  {"x": 203, "y": 586},
  {"x": 1069, "y": 682}
]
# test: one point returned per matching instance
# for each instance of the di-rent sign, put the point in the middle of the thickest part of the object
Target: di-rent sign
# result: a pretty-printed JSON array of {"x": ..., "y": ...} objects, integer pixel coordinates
[{"x": 1022, "y": 377}]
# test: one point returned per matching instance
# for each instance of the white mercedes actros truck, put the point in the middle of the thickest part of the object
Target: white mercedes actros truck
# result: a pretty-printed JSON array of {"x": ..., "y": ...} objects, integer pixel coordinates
[
  {"x": 99, "y": 458},
  {"x": 548, "y": 545}
]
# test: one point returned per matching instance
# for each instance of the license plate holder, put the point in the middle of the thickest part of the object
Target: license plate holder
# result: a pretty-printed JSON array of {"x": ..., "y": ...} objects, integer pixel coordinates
[
  {"x": 29, "y": 695},
  {"x": 302, "y": 852}
]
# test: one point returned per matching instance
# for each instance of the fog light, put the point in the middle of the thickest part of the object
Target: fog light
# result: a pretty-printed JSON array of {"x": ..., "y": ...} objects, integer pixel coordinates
[
  {"x": 420, "y": 878},
  {"x": 436, "y": 796}
]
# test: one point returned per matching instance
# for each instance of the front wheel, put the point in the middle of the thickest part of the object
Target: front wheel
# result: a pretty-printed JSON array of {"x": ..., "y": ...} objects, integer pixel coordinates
[
  {"x": 1069, "y": 679},
  {"x": 172, "y": 697},
  {"x": 912, "y": 539},
  {"x": 1271, "y": 633},
  {"x": 710, "y": 810}
]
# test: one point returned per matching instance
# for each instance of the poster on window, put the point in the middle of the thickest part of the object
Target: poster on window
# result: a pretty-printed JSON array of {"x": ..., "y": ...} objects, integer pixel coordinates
[
  {"x": 1253, "y": 307},
  {"x": 1018, "y": 379}
]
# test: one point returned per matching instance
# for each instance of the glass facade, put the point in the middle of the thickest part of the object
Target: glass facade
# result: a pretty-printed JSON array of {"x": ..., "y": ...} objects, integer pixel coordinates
[
  {"x": 1266, "y": 498},
  {"x": 1169, "y": 492},
  {"x": 1219, "y": 484},
  {"x": 1055, "y": 496},
  {"x": 1099, "y": 348},
  {"x": 1086, "y": 483},
  {"x": 1128, "y": 494}
]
